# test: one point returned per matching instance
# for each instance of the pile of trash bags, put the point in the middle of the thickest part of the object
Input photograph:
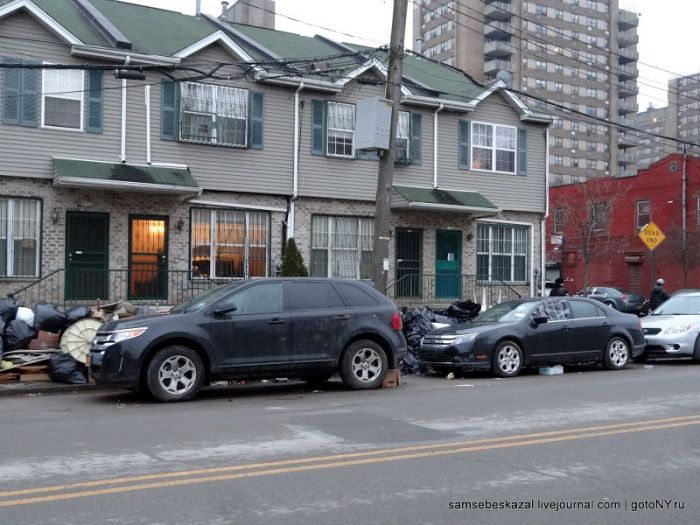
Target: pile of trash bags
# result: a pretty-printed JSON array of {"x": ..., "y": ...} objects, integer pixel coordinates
[
  {"x": 419, "y": 321},
  {"x": 19, "y": 325}
]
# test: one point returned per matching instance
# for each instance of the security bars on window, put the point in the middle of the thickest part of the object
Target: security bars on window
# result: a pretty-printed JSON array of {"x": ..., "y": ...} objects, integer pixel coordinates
[
  {"x": 20, "y": 220},
  {"x": 214, "y": 114},
  {"x": 502, "y": 253},
  {"x": 341, "y": 247},
  {"x": 229, "y": 244}
]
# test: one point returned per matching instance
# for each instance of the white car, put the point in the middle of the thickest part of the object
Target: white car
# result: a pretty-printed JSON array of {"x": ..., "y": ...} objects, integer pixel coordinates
[{"x": 673, "y": 329}]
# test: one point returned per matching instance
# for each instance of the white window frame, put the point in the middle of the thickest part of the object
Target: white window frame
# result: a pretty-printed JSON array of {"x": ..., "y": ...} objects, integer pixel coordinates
[
  {"x": 331, "y": 104},
  {"x": 215, "y": 95},
  {"x": 81, "y": 93},
  {"x": 403, "y": 132},
  {"x": 9, "y": 271},
  {"x": 329, "y": 247},
  {"x": 638, "y": 214},
  {"x": 493, "y": 148},
  {"x": 246, "y": 245},
  {"x": 528, "y": 253}
]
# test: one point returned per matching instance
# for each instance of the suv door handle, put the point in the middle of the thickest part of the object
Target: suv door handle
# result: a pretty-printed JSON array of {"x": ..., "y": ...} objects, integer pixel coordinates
[
  {"x": 342, "y": 317},
  {"x": 605, "y": 324},
  {"x": 565, "y": 328},
  {"x": 276, "y": 320}
]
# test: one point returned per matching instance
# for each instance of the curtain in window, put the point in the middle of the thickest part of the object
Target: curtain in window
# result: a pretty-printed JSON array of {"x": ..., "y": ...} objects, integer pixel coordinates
[
  {"x": 341, "y": 128},
  {"x": 319, "y": 246},
  {"x": 403, "y": 132},
  {"x": 341, "y": 247},
  {"x": 214, "y": 114},
  {"x": 19, "y": 237},
  {"x": 229, "y": 243}
]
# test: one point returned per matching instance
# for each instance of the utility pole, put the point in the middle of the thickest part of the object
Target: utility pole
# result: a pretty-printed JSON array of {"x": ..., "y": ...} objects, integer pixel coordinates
[{"x": 382, "y": 220}]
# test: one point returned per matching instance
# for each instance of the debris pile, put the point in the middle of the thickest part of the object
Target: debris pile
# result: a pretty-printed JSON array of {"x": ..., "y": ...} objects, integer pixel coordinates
[{"x": 419, "y": 321}]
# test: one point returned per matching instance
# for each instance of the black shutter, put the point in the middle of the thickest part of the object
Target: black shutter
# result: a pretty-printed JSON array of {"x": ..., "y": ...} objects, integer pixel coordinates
[
  {"x": 94, "y": 102},
  {"x": 318, "y": 128},
  {"x": 464, "y": 145},
  {"x": 255, "y": 119},
  {"x": 11, "y": 86},
  {"x": 168, "y": 110},
  {"x": 416, "y": 137},
  {"x": 522, "y": 151}
]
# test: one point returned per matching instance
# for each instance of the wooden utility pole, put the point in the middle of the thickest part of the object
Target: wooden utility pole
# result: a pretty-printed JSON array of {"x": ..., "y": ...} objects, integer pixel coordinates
[{"x": 382, "y": 221}]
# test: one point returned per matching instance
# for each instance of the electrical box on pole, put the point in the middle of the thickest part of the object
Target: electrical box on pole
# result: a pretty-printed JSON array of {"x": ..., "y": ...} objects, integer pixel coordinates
[{"x": 373, "y": 124}]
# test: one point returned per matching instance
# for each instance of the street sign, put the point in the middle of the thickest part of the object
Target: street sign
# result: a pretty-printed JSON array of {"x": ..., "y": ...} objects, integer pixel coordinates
[
  {"x": 651, "y": 236},
  {"x": 557, "y": 239}
]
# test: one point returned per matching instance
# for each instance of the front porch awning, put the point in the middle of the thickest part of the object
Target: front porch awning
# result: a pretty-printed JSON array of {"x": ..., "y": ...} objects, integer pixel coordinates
[
  {"x": 435, "y": 199},
  {"x": 71, "y": 173}
]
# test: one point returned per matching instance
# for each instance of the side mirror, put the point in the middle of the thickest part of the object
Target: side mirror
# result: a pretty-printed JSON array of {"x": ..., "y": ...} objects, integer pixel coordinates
[
  {"x": 539, "y": 320},
  {"x": 223, "y": 309}
]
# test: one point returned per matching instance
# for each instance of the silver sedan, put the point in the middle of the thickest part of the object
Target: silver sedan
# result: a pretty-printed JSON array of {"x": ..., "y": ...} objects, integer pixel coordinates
[{"x": 673, "y": 329}]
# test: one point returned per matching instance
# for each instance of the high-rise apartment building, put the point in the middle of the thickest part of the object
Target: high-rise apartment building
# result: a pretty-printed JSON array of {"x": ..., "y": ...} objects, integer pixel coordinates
[
  {"x": 259, "y": 13},
  {"x": 650, "y": 147},
  {"x": 684, "y": 111},
  {"x": 576, "y": 54}
]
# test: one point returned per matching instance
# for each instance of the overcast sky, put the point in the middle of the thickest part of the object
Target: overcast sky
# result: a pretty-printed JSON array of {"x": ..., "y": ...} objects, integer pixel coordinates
[{"x": 668, "y": 31}]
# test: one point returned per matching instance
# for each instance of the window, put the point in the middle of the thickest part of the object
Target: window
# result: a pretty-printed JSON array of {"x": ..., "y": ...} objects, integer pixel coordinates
[
  {"x": 643, "y": 214},
  {"x": 574, "y": 162},
  {"x": 354, "y": 296},
  {"x": 403, "y": 133},
  {"x": 583, "y": 310},
  {"x": 541, "y": 65},
  {"x": 20, "y": 221},
  {"x": 558, "y": 221},
  {"x": 591, "y": 92},
  {"x": 313, "y": 296},
  {"x": 540, "y": 10},
  {"x": 599, "y": 217},
  {"x": 574, "y": 72},
  {"x": 559, "y": 69},
  {"x": 540, "y": 83},
  {"x": 590, "y": 146},
  {"x": 62, "y": 98},
  {"x": 493, "y": 147},
  {"x": 341, "y": 247},
  {"x": 558, "y": 160},
  {"x": 214, "y": 114},
  {"x": 502, "y": 252},
  {"x": 264, "y": 298},
  {"x": 558, "y": 87},
  {"x": 574, "y": 89},
  {"x": 229, "y": 244},
  {"x": 590, "y": 164},
  {"x": 559, "y": 14},
  {"x": 574, "y": 145},
  {"x": 341, "y": 129},
  {"x": 558, "y": 142}
]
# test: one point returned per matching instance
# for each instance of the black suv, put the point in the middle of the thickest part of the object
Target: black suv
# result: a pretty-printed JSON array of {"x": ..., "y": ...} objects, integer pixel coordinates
[{"x": 296, "y": 327}]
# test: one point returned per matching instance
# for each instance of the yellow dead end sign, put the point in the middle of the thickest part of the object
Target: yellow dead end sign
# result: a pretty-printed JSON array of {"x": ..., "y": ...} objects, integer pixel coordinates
[{"x": 652, "y": 236}]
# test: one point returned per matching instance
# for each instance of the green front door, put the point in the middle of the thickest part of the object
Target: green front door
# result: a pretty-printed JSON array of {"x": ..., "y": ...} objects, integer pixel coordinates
[
  {"x": 87, "y": 253},
  {"x": 448, "y": 264}
]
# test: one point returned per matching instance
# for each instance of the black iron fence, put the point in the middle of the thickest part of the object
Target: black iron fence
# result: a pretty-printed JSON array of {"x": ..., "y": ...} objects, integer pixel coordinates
[
  {"x": 419, "y": 289},
  {"x": 137, "y": 285}
]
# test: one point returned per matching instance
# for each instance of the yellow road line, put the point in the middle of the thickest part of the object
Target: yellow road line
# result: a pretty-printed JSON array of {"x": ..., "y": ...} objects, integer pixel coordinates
[
  {"x": 341, "y": 456},
  {"x": 641, "y": 427}
]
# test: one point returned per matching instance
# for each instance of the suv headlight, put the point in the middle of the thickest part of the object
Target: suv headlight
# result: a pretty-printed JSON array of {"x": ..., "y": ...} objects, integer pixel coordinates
[
  {"x": 122, "y": 335},
  {"x": 677, "y": 329},
  {"x": 464, "y": 338}
]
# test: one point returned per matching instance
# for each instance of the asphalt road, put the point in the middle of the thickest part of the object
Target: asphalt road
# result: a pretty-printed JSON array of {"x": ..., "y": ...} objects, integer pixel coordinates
[{"x": 589, "y": 446}]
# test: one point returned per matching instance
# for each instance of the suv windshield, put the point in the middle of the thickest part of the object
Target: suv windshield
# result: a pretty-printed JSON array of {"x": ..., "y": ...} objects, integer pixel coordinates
[
  {"x": 504, "y": 313},
  {"x": 686, "y": 305},
  {"x": 205, "y": 299}
]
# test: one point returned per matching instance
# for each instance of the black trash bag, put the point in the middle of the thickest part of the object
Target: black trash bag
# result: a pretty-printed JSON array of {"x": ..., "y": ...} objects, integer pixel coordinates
[
  {"x": 410, "y": 365},
  {"x": 64, "y": 369},
  {"x": 464, "y": 310},
  {"x": 2, "y": 339},
  {"x": 8, "y": 308},
  {"x": 77, "y": 313},
  {"x": 48, "y": 318},
  {"x": 18, "y": 334},
  {"x": 416, "y": 323}
]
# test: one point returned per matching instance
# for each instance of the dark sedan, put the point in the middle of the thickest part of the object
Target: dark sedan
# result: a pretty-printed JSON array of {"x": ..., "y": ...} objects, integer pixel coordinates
[
  {"x": 535, "y": 332},
  {"x": 617, "y": 298}
]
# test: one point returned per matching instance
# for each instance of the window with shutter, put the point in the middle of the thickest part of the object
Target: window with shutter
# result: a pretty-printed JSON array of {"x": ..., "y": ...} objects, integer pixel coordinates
[{"x": 62, "y": 99}]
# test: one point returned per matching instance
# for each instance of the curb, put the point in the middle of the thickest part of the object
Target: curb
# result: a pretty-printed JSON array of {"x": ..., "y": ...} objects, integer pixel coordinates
[{"x": 24, "y": 389}]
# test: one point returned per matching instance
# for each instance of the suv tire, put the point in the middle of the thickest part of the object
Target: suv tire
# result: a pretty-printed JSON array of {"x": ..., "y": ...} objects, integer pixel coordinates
[
  {"x": 364, "y": 365},
  {"x": 174, "y": 373}
]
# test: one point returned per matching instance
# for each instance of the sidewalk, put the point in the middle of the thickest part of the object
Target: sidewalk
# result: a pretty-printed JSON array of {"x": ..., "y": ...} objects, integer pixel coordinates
[{"x": 27, "y": 388}]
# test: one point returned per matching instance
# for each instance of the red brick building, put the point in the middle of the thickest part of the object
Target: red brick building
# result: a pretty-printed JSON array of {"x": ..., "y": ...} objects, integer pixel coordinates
[{"x": 600, "y": 221}]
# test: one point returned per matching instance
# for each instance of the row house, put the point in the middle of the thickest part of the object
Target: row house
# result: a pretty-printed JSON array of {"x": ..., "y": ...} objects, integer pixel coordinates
[
  {"x": 234, "y": 138},
  {"x": 615, "y": 211}
]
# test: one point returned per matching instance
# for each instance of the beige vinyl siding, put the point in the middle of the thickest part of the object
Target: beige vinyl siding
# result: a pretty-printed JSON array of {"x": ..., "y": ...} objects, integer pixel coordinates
[
  {"x": 269, "y": 170},
  {"x": 26, "y": 151},
  {"x": 331, "y": 177},
  {"x": 507, "y": 191}
]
